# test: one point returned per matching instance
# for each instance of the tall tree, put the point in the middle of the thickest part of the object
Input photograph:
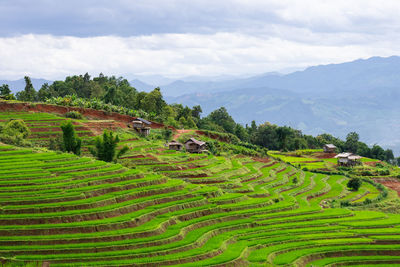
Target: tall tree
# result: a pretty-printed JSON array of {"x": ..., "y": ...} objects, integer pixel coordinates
[
  {"x": 71, "y": 142},
  {"x": 44, "y": 92},
  {"x": 29, "y": 93},
  {"x": 196, "y": 111},
  {"x": 5, "y": 90},
  {"x": 352, "y": 142}
]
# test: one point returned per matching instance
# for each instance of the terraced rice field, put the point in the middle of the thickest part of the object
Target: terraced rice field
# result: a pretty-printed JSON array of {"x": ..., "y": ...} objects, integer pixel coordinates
[
  {"x": 44, "y": 125},
  {"x": 160, "y": 207},
  {"x": 71, "y": 211}
]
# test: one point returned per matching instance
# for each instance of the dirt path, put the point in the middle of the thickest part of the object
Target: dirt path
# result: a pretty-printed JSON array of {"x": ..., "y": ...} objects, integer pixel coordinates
[{"x": 179, "y": 133}]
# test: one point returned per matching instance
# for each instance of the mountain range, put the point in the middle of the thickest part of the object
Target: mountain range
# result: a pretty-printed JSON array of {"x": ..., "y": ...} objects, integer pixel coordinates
[{"x": 361, "y": 96}]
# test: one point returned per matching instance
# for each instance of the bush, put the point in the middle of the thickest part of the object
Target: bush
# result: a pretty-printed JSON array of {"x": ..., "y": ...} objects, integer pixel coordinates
[
  {"x": 384, "y": 172},
  {"x": 367, "y": 201},
  {"x": 166, "y": 133},
  {"x": 14, "y": 133},
  {"x": 74, "y": 115},
  {"x": 105, "y": 147},
  {"x": 55, "y": 144},
  {"x": 345, "y": 203},
  {"x": 71, "y": 143},
  {"x": 295, "y": 181},
  {"x": 354, "y": 184}
]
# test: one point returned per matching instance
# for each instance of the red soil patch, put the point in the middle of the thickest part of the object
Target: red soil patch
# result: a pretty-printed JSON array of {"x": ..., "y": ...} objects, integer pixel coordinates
[
  {"x": 281, "y": 170},
  {"x": 268, "y": 165},
  {"x": 134, "y": 157},
  {"x": 318, "y": 195},
  {"x": 61, "y": 110},
  {"x": 371, "y": 163},
  {"x": 264, "y": 160},
  {"x": 201, "y": 175},
  {"x": 391, "y": 183},
  {"x": 97, "y": 127},
  {"x": 179, "y": 133},
  {"x": 213, "y": 136},
  {"x": 325, "y": 155}
]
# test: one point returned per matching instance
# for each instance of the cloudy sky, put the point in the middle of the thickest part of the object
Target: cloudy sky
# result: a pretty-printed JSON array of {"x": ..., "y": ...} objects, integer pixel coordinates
[{"x": 175, "y": 38}]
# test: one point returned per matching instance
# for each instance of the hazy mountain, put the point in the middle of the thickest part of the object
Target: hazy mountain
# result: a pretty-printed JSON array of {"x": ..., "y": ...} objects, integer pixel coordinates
[
  {"x": 360, "y": 96},
  {"x": 19, "y": 85},
  {"x": 141, "y": 86}
]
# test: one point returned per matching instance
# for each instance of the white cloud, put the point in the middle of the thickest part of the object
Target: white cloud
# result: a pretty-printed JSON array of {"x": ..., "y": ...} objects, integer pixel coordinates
[{"x": 178, "y": 55}]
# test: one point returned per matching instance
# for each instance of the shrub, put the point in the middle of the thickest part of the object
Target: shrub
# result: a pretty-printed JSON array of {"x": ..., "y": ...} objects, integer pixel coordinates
[
  {"x": 367, "y": 201},
  {"x": 55, "y": 144},
  {"x": 366, "y": 173},
  {"x": 71, "y": 143},
  {"x": 74, "y": 115},
  {"x": 384, "y": 172},
  {"x": 295, "y": 181},
  {"x": 354, "y": 184},
  {"x": 106, "y": 146},
  {"x": 15, "y": 132},
  {"x": 17, "y": 127},
  {"x": 166, "y": 133},
  {"x": 345, "y": 203}
]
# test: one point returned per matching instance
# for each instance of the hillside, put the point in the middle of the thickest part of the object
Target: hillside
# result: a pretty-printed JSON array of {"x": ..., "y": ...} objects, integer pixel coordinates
[{"x": 158, "y": 207}]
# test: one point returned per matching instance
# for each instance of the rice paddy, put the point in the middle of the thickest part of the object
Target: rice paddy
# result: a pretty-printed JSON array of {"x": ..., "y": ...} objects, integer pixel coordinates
[{"x": 159, "y": 207}]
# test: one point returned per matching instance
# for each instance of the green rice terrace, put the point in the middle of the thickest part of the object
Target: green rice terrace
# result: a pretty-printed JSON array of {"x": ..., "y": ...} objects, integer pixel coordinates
[{"x": 158, "y": 207}]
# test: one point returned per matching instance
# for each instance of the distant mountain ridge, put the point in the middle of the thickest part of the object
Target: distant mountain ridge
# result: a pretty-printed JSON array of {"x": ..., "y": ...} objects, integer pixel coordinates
[
  {"x": 375, "y": 72},
  {"x": 19, "y": 85},
  {"x": 362, "y": 96}
]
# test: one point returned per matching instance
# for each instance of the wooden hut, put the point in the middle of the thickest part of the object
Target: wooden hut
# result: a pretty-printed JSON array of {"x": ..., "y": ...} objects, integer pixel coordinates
[
  {"x": 193, "y": 145},
  {"x": 348, "y": 159},
  {"x": 174, "y": 145},
  {"x": 329, "y": 148},
  {"x": 142, "y": 126}
]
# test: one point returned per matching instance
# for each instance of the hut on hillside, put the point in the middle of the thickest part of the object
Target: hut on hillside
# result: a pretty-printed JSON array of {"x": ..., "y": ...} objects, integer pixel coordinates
[
  {"x": 174, "y": 145},
  {"x": 329, "y": 148},
  {"x": 193, "y": 145},
  {"x": 348, "y": 159},
  {"x": 142, "y": 126}
]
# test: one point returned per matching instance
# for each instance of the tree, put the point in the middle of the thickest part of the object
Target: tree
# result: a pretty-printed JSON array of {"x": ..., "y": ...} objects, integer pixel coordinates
[
  {"x": 166, "y": 133},
  {"x": 5, "y": 90},
  {"x": 241, "y": 132},
  {"x": 352, "y": 142},
  {"x": 29, "y": 93},
  {"x": 44, "y": 92},
  {"x": 153, "y": 102},
  {"x": 106, "y": 147},
  {"x": 71, "y": 143},
  {"x": 389, "y": 157},
  {"x": 196, "y": 111},
  {"x": 221, "y": 117},
  {"x": 283, "y": 133},
  {"x": 190, "y": 123},
  {"x": 377, "y": 152},
  {"x": 354, "y": 184}
]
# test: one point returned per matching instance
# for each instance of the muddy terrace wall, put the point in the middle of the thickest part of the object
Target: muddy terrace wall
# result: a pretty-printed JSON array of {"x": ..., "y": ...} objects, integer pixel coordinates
[{"x": 61, "y": 110}]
